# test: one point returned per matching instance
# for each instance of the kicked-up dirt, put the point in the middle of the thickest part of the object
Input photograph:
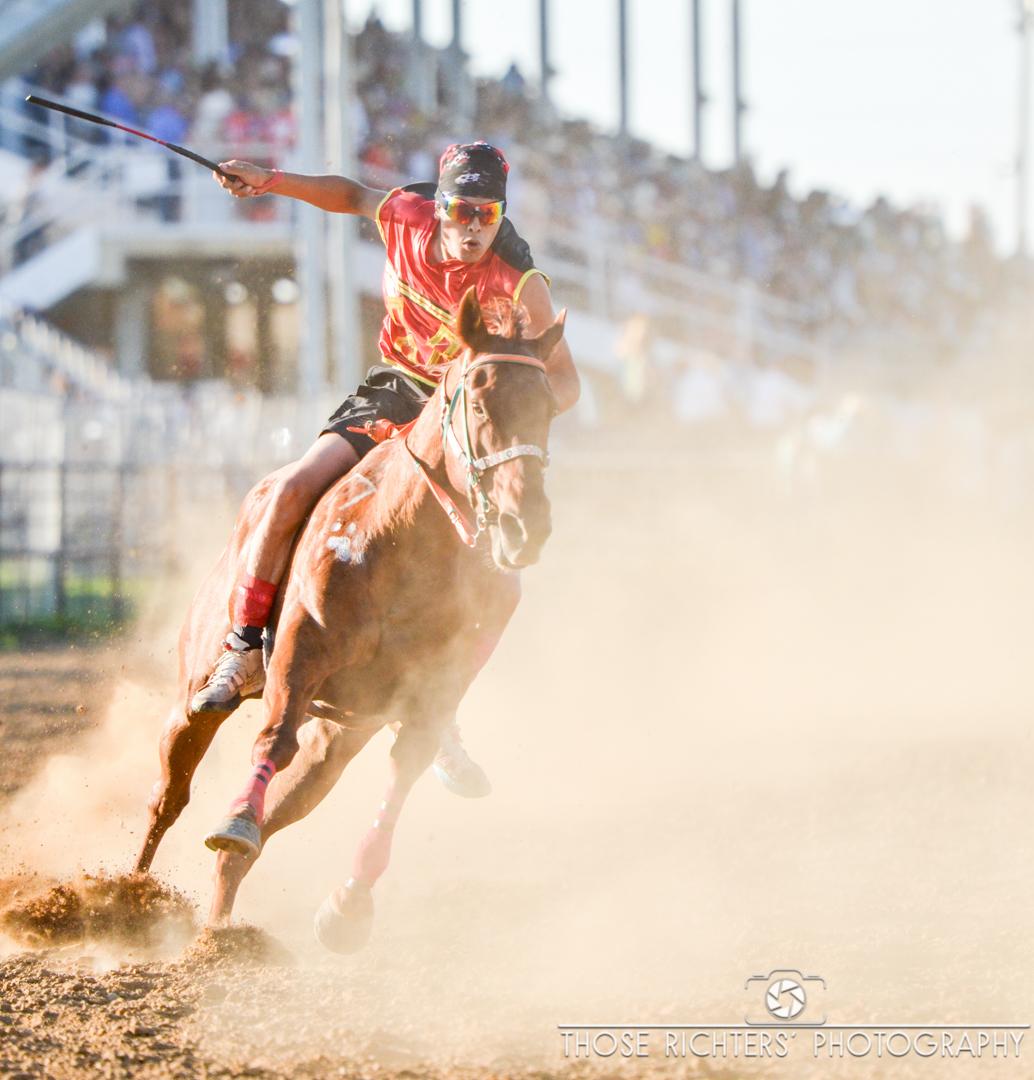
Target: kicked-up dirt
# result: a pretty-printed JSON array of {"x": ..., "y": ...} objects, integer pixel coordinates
[{"x": 731, "y": 730}]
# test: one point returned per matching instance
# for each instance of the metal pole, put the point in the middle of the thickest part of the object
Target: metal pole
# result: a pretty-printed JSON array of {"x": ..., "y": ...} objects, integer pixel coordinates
[
  {"x": 117, "y": 553},
  {"x": 309, "y": 237},
  {"x": 738, "y": 106},
  {"x": 464, "y": 96},
  {"x": 342, "y": 238},
  {"x": 623, "y": 67},
  {"x": 1026, "y": 12},
  {"x": 457, "y": 26},
  {"x": 544, "y": 69},
  {"x": 211, "y": 30},
  {"x": 421, "y": 74},
  {"x": 698, "y": 84},
  {"x": 61, "y": 557}
]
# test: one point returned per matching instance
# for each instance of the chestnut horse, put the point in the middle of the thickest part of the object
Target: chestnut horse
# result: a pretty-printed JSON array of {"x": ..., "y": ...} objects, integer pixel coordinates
[{"x": 386, "y": 614}]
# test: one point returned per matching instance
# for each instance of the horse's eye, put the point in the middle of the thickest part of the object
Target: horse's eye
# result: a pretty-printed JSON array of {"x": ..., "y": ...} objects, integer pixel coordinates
[{"x": 479, "y": 410}]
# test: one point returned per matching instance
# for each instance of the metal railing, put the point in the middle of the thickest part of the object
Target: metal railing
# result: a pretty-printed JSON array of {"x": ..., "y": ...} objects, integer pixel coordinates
[
  {"x": 28, "y": 28},
  {"x": 591, "y": 269},
  {"x": 32, "y": 352},
  {"x": 80, "y": 543},
  {"x": 105, "y": 182}
]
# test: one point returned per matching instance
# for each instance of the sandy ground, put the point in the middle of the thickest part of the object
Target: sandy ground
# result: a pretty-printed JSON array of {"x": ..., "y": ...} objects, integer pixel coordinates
[{"x": 738, "y": 724}]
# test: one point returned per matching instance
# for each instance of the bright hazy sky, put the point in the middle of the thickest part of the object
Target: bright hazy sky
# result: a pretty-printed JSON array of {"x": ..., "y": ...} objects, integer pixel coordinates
[{"x": 916, "y": 99}]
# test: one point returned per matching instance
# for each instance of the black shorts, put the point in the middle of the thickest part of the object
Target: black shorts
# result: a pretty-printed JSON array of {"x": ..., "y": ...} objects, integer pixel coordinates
[{"x": 387, "y": 394}]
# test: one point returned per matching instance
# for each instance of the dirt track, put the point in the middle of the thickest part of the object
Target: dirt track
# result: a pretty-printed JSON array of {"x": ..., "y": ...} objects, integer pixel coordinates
[{"x": 728, "y": 731}]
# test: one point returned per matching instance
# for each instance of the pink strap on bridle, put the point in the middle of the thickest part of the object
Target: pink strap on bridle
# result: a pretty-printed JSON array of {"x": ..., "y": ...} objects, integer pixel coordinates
[
  {"x": 505, "y": 358},
  {"x": 467, "y": 533}
]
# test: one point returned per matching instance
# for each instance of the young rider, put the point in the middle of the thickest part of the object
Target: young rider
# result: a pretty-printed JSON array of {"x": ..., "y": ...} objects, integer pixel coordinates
[{"x": 439, "y": 240}]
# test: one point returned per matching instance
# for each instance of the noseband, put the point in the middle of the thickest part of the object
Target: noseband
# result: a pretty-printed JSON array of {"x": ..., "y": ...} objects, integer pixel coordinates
[{"x": 476, "y": 467}]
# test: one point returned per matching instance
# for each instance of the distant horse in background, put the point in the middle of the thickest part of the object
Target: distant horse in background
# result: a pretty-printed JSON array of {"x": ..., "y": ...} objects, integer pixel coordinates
[{"x": 385, "y": 616}]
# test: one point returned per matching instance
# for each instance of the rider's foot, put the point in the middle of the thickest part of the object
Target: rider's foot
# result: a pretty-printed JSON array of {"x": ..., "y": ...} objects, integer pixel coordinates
[
  {"x": 457, "y": 770},
  {"x": 238, "y": 674}
]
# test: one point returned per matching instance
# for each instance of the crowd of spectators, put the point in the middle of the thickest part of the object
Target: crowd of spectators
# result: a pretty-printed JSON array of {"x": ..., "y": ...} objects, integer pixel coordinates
[
  {"x": 140, "y": 70},
  {"x": 846, "y": 269}
]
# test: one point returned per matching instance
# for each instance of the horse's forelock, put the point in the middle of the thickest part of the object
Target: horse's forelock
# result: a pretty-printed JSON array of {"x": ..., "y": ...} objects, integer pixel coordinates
[{"x": 505, "y": 319}]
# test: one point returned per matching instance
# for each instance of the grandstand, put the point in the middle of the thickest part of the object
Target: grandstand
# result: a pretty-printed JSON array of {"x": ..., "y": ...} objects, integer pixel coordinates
[
  {"x": 713, "y": 258},
  {"x": 128, "y": 280}
]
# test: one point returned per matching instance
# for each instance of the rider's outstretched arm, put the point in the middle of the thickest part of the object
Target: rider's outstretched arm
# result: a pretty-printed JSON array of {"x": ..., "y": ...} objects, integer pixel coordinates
[{"x": 336, "y": 194}]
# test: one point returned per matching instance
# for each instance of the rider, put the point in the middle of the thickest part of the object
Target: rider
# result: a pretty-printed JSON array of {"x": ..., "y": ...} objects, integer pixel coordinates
[{"x": 439, "y": 239}]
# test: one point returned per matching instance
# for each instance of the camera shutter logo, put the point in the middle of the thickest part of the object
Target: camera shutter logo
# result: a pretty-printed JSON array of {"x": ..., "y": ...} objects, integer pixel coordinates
[{"x": 785, "y": 999}]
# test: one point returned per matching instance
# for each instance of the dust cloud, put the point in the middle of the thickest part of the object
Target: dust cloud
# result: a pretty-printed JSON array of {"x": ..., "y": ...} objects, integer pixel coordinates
[{"x": 761, "y": 707}]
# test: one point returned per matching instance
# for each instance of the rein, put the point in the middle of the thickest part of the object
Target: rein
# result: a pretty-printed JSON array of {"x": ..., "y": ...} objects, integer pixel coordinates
[{"x": 475, "y": 467}]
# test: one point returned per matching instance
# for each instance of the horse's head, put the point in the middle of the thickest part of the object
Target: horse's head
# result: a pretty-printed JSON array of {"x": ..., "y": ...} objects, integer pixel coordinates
[{"x": 497, "y": 408}]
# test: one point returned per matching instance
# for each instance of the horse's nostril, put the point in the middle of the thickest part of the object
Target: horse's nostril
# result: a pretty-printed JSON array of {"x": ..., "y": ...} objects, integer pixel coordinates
[{"x": 513, "y": 531}]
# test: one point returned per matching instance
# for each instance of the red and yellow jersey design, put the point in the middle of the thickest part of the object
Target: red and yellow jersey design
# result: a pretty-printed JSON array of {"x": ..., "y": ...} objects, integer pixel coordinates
[{"x": 421, "y": 297}]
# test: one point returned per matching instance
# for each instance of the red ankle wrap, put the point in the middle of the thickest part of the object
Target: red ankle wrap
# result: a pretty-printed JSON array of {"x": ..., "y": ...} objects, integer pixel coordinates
[{"x": 252, "y": 601}]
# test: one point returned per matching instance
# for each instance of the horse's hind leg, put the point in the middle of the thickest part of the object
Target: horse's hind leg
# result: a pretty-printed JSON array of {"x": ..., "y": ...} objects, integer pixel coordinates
[
  {"x": 324, "y": 749},
  {"x": 184, "y": 740},
  {"x": 344, "y": 919}
]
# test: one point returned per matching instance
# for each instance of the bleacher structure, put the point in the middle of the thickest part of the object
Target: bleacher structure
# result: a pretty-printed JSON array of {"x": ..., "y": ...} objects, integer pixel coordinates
[
  {"x": 29, "y": 28},
  {"x": 86, "y": 426}
]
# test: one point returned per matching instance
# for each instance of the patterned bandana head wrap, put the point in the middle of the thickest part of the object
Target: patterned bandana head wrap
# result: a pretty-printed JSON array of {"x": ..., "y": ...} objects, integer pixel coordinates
[{"x": 476, "y": 169}]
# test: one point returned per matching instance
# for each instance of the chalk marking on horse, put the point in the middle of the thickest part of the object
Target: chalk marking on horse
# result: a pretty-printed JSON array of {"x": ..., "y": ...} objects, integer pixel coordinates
[{"x": 371, "y": 489}]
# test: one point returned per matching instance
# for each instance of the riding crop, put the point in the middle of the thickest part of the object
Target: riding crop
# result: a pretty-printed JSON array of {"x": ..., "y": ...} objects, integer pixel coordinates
[{"x": 92, "y": 118}]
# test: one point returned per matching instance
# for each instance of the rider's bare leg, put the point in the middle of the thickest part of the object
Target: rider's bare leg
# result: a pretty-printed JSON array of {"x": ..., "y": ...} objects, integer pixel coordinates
[{"x": 294, "y": 492}]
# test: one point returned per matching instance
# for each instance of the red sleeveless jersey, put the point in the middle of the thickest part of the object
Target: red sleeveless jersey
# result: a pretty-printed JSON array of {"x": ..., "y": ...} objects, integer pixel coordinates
[{"x": 421, "y": 297}]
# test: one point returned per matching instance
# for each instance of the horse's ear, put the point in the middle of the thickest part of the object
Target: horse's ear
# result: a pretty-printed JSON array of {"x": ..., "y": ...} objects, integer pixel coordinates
[
  {"x": 471, "y": 324},
  {"x": 547, "y": 341}
]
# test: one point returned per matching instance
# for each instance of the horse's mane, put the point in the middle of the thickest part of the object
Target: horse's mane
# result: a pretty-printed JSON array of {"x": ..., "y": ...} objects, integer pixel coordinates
[{"x": 505, "y": 318}]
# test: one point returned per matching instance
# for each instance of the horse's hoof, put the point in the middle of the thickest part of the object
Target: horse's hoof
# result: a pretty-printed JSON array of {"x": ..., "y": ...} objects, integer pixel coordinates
[
  {"x": 239, "y": 834},
  {"x": 344, "y": 920},
  {"x": 200, "y": 707},
  {"x": 469, "y": 781}
]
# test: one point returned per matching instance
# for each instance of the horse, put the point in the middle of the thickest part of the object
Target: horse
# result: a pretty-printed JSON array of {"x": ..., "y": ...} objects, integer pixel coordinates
[{"x": 391, "y": 605}]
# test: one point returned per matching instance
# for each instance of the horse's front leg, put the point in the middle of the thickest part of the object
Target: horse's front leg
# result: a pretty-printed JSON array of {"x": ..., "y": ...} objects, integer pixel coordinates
[
  {"x": 294, "y": 677},
  {"x": 344, "y": 919},
  {"x": 325, "y": 749}
]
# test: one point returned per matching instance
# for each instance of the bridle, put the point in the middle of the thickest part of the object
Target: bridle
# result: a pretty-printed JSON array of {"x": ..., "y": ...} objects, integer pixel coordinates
[{"x": 474, "y": 467}]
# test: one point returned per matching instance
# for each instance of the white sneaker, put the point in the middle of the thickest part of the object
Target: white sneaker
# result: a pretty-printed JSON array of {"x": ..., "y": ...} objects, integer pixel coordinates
[
  {"x": 238, "y": 674},
  {"x": 457, "y": 770}
]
